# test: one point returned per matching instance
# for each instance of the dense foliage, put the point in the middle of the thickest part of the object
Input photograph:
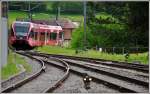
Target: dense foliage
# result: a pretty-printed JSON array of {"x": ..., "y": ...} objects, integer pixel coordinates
[{"x": 116, "y": 24}]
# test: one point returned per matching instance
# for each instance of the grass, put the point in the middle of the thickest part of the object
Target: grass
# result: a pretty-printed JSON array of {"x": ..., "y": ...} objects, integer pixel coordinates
[
  {"x": 142, "y": 57},
  {"x": 21, "y": 60},
  {"x": 56, "y": 50},
  {"x": 11, "y": 67}
]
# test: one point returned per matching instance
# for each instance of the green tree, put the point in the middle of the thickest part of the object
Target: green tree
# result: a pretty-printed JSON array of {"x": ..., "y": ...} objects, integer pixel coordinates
[{"x": 124, "y": 23}]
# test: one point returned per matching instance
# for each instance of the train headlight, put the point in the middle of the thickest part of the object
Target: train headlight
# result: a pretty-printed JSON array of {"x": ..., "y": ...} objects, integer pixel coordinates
[
  {"x": 90, "y": 79},
  {"x": 84, "y": 79}
]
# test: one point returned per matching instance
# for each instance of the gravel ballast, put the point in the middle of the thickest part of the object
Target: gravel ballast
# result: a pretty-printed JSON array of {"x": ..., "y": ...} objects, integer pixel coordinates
[{"x": 42, "y": 82}]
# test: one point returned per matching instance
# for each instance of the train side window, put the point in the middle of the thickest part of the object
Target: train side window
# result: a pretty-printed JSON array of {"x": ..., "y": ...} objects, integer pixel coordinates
[
  {"x": 31, "y": 35},
  {"x": 53, "y": 36}
]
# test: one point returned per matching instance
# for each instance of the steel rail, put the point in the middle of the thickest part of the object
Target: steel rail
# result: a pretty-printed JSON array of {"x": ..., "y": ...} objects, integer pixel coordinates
[
  {"x": 95, "y": 79},
  {"x": 60, "y": 81},
  {"x": 137, "y": 67},
  {"x": 125, "y": 78},
  {"x": 49, "y": 89},
  {"x": 98, "y": 70},
  {"x": 125, "y": 63},
  {"x": 27, "y": 79}
]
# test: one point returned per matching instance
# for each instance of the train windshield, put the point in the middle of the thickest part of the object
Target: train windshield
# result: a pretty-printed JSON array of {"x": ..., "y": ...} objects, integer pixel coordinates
[{"x": 21, "y": 29}]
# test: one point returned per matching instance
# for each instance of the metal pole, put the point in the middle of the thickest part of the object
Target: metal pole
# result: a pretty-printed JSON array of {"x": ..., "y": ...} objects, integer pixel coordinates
[
  {"x": 1, "y": 34},
  {"x": 29, "y": 10},
  {"x": 7, "y": 28},
  {"x": 113, "y": 50},
  {"x": 123, "y": 50},
  {"x": 84, "y": 24},
  {"x": 4, "y": 33},
  {"x": 58, "y": 12}
]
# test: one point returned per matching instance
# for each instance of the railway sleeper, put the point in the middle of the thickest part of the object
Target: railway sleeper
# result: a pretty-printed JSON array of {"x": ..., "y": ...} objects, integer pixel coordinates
[{"x": 101, "y": 81}]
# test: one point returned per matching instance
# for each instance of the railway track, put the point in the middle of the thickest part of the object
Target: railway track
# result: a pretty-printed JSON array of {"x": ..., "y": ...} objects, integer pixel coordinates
[
  {"x": 115, "y": 71},
  {"x": 123, "y": 83},
  {"x": 74, "y": 83},
  {"x": 97, "y": 80},
  {"x": 124, "y": 65},
  {"x": 60, "y": 81},
  {"x": 42, "y": 80},
  {"x": 107, "y": 81}
]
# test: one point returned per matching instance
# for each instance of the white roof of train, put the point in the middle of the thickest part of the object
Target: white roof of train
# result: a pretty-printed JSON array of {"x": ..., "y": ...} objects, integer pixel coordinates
[{"x": 40, "y": 26}]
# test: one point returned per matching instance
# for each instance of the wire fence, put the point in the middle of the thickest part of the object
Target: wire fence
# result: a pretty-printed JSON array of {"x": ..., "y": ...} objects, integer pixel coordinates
[{"x": 123, "y": 50}]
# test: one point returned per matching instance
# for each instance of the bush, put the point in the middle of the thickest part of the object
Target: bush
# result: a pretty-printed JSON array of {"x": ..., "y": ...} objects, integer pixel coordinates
[{"x": 78, "y": 38}]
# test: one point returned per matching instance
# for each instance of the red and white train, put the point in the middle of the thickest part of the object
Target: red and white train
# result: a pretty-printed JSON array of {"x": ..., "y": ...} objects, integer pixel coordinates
[{"x": 33, "y": 35}]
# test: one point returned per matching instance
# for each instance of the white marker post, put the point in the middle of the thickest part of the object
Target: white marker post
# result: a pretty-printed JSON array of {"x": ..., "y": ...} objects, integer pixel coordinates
[{"x": 4, "y": 33}]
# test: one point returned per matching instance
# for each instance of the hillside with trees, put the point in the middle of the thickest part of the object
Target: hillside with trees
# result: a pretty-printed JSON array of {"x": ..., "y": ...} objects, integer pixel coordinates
[{"x": 115, "y": 24}]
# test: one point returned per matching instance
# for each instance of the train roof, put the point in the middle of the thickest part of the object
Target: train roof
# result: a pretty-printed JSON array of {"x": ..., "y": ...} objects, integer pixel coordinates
[
  {"x": 64, "y": 23},
  {"x": 40, "y": 27},
  {"x": 22, "y": 22},
  {"x": 46, "y": 27}
]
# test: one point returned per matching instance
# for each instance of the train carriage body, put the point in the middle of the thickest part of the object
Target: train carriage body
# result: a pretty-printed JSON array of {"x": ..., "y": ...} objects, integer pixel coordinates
[{"x": 31, "y": 34}]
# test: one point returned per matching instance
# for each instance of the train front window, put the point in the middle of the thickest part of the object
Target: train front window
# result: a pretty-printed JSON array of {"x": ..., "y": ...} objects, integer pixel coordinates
[{"x": 21, "y": 29}]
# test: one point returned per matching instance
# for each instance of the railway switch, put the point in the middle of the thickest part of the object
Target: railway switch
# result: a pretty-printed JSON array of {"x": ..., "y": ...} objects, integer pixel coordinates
[{"x": 87, "y": 79}]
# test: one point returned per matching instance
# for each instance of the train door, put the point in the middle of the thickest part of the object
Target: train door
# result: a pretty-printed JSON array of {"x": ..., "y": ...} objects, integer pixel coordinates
[
  {"x": 35, "y": 36},
  {"x": 31, "y": 35},
  {"x": 46, "y": 39},
  {"x": 42, "y": 37}
]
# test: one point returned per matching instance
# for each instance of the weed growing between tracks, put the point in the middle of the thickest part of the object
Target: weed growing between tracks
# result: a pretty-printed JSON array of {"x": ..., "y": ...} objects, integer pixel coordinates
[
  {"x": 142, "y": 57},
  {"x": 11, "y": 67}
]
